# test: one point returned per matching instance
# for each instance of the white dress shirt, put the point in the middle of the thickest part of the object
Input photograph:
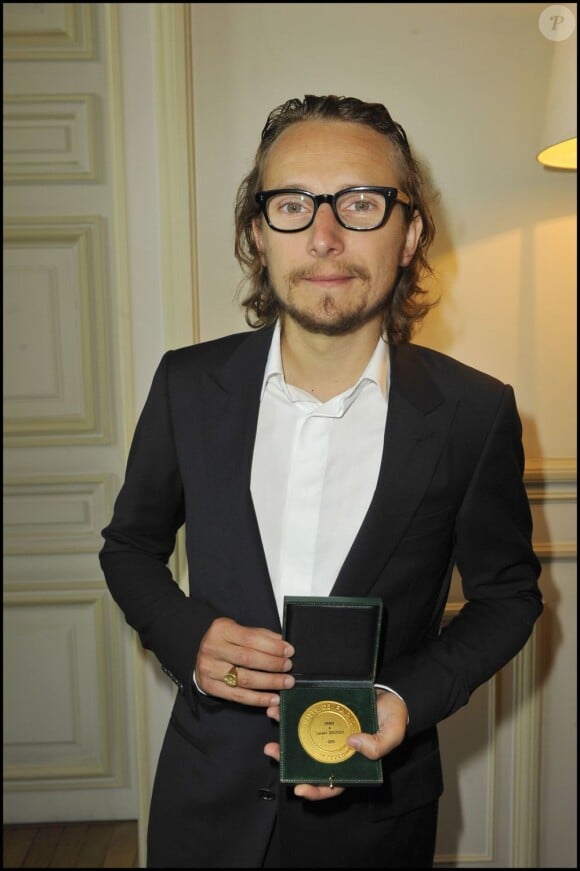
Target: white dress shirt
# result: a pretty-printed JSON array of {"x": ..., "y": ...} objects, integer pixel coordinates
[{"x": 314, "y": 472}]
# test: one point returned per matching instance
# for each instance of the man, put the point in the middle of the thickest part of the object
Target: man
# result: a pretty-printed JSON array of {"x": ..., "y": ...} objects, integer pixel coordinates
[{"x": 320, "y": 454}]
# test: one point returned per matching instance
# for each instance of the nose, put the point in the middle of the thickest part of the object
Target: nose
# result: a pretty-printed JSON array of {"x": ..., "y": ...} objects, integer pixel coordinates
[{"x": 326, "y": 234}]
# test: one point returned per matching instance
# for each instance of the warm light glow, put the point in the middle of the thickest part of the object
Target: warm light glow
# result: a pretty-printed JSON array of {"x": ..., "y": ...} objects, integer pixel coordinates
[
  {"x": 562, "y": 155},
  {"x": 558, "y": 147}
]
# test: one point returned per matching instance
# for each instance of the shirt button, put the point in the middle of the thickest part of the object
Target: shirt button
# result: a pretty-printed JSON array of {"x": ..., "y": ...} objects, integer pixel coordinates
[{"x": 266, "y": 794}]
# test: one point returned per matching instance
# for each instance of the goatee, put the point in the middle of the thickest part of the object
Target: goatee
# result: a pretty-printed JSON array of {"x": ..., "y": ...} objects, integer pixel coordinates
[
  {"x": 331, "y": 321},
  {"x": 337, "y": 324}
]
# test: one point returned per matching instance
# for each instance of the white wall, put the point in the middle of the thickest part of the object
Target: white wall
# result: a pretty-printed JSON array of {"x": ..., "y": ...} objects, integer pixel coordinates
[{"x": 468, "y": 83}]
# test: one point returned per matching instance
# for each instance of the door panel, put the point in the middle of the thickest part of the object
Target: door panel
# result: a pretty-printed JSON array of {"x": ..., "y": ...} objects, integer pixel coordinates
[{"x": 69, "y": 750}]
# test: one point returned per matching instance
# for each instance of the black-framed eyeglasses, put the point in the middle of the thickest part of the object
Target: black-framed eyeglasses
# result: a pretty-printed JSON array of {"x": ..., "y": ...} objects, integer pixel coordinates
[{"x": 365, "y": 207}]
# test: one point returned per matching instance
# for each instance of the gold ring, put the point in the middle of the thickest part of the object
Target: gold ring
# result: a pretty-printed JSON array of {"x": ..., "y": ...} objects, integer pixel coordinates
[{"x": 231, "y": 677}]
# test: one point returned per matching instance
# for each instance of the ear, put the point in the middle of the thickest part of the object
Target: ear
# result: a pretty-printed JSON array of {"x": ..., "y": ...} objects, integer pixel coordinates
[
  {"x": 414, "y": 231},
  {"x": 259, "y": 239}
]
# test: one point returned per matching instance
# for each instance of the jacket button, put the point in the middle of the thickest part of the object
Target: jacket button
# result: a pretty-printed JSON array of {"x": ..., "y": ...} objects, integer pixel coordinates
[{"x": 266, "y": 794}]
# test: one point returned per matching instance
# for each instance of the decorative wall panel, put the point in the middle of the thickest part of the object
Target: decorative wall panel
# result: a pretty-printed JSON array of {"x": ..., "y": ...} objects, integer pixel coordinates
[
  {"x": 48, "y": 31},
  {"x": 50, "y": 138},
  {"x": 552, "y": 491},
  {"x": 55, "y": 366},
  {"x": 56, "y": 515},
  {"x": 61, "y": 676},
  {"x": 468, "y": 747}
]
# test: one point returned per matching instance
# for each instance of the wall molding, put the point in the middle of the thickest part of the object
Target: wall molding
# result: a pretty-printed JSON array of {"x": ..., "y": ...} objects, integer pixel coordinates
[
  {"x": 48, "y": 31},
  {"x": 126, "y": 379},
  {"x": 68, "y": 255},
  {"x": 524, "y": 741},
  {"x": 56, "y": 514},
  {"x": 551, "y": 485},
  {"x": 550, "y": 470},
  {"x": 526, "y": 764},
  {"x": 173, "y": 89},
  {"x": 88, "y": 758},
  {"x": 50, "y": 138},
  {"x": 174, "y": 96}
]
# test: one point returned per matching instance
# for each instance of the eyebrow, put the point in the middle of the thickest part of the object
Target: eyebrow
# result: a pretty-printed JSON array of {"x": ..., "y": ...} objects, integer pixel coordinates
[{"x": 344, "y": 186}]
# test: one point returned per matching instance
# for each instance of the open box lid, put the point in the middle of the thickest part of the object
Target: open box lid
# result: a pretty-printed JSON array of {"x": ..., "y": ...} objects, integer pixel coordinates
[{"x": 336, "y": 638}]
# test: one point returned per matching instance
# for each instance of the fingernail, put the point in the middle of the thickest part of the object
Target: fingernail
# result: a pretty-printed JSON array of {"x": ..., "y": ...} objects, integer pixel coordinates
[
  {"x": 275, "y": 700},
  {"x": 288, "y": 682},
  {"x": 289, "y": 651},
  {"x": 356, "y": 743}
]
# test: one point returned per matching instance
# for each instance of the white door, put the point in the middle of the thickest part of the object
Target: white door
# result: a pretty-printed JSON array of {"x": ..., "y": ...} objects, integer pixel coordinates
[{"x": 69, "y": 749}]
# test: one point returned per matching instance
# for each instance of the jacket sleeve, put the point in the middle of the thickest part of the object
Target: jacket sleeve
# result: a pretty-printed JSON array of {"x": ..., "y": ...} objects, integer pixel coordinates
[
  {"x": 140, "y": 539},
  {"x": 499, "y": 574}
]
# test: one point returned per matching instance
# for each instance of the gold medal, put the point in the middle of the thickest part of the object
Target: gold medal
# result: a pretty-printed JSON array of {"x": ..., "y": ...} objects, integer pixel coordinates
[{"x": 323, "y": 730}]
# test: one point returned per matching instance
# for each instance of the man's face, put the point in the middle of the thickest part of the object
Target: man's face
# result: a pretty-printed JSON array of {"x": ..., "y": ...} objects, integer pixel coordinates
[{"x": 326, "y": 278}]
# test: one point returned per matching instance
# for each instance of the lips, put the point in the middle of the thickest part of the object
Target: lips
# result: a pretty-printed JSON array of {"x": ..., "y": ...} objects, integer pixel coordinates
[
  {"x": 346, "y": 273},
  {"x": 329, "y": 278}
]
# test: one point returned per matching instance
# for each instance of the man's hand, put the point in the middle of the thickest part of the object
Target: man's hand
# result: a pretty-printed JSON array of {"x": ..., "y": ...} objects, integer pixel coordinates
[
  {"x": 304, "y": 790},
  {"x": 392, "y": 716},
  {"x": 262, "y": 659}
]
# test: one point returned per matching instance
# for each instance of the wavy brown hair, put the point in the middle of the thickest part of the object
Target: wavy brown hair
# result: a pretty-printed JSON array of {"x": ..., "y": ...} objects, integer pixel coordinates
[{"x": 407, "y": 304}]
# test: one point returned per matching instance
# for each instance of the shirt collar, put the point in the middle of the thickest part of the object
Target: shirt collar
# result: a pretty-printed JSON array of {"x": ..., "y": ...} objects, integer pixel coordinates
[
  {"x": 274, "y": 362},
  {"x": 377, "y": 369}
]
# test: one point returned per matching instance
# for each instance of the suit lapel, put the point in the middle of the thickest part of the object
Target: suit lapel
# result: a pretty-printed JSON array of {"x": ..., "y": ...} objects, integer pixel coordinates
[
  {"x": 231, "y": 405},
  {"x": 418, "y": 421}
]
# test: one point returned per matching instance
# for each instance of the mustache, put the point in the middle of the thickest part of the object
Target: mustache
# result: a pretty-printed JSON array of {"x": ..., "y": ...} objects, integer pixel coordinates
[{"x": 346, "y": 269}]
